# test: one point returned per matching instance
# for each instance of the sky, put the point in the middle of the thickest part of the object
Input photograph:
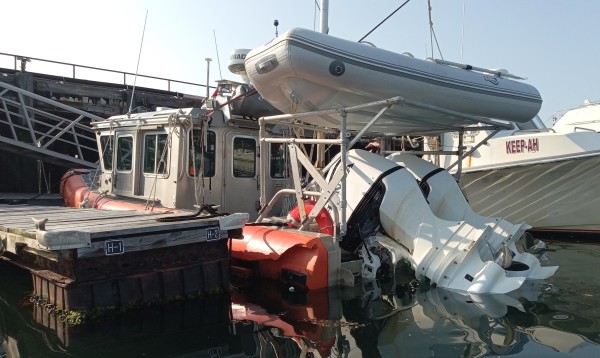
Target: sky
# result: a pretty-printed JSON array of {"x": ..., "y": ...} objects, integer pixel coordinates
[{"x": 553, "y": 43}]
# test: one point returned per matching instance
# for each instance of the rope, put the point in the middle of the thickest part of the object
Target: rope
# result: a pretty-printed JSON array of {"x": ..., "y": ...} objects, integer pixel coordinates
[
  {"x": 196, "y": 215},
  {"x": 432, "y": 32},
  {"x": 151, "y": 200},
  {"x": 199, "y": 176}
]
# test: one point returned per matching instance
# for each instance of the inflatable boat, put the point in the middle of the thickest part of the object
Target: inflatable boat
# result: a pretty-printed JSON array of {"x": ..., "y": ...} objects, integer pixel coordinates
[{"x": 304, "y": 70}]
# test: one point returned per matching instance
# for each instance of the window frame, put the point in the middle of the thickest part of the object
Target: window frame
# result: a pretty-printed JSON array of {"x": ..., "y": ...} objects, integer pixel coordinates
[
  {"x": 157, "y": 154},
  {"x": 211, "y": 138},
  {"x": 118, "y": 153},
  {"x": 107, "y": 154},
  {"x": 284, "y": 172},
  {"x": 233, "y": 159}
]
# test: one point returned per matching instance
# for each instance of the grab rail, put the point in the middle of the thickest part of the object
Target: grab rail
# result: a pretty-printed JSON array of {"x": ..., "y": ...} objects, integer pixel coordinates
[{"x": 534, "y": 130}]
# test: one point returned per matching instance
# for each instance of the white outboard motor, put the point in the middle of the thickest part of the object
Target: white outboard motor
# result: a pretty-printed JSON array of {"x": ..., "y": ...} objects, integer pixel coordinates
[
  {"x": 509, "y": 244},
  {"x": 388, "y": 213}
]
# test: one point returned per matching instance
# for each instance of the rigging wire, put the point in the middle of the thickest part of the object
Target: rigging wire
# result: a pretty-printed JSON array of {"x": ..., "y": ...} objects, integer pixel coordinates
[
  {"x": 317, "y": 10},
  {"x": 384, "y": 20}
]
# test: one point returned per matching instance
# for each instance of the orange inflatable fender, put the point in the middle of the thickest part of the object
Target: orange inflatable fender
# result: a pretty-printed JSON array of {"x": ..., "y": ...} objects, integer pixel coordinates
[{"x": 323, "y": 219}]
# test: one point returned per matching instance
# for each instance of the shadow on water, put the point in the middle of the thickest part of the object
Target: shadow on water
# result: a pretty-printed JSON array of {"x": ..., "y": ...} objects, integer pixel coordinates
[{"x": 556, "y": 317}]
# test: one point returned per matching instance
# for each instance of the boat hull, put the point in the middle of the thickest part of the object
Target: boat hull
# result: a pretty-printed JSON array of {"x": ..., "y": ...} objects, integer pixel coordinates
[
  {"x": 561, "y": 195},
  {"x": 77, "y": 193},
  {"x": 545, "y": 177},
  {"x": 303, "y": 70},
  {"x": 302, "y": 259}
]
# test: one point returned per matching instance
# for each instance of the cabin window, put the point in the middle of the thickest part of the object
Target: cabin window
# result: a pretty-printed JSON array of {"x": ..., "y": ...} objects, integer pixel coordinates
[
  {"x": 200, "y": 155},
  {"x": 106, "y": 148},
  {"x": 156, "y": 153},
  {"x": 244, "y": 157},
  {"x": 278, "y": 167},
  {"x": 534, "y": 123},
  {"x": 124, "y": 153}
]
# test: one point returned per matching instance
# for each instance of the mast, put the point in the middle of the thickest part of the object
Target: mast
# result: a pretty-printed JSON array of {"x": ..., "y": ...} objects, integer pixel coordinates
[
  {"x": 325, "y": 16},
  {"x": 320, "y": 160}
]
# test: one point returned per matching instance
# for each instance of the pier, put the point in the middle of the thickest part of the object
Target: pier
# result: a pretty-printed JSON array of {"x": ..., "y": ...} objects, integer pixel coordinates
[{"x": 81, "y": 259}]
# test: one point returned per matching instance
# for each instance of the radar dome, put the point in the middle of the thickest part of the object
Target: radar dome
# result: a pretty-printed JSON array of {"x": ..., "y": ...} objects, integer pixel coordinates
[{"x": 236, "y": 63}]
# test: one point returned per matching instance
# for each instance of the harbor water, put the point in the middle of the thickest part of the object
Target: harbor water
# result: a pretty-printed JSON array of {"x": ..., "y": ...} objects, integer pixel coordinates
[{"x": 558, "y": 317}]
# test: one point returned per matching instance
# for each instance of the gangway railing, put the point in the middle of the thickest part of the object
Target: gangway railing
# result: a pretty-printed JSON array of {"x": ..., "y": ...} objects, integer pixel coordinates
[
  {"x": 62, "y": 137},
  {"x": 88, "y": 72}
]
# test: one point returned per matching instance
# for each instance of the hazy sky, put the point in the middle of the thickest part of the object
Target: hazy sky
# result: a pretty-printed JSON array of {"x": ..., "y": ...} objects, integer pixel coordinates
[{"x": 551, "y": 42}]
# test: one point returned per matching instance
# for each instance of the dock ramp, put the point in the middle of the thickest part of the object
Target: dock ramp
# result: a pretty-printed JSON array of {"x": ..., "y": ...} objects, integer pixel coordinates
[{"x": 59, "y": 134}]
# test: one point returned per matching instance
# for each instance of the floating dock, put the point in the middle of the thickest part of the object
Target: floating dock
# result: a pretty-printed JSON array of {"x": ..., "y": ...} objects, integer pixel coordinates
[{"x": 81, "y": 259}]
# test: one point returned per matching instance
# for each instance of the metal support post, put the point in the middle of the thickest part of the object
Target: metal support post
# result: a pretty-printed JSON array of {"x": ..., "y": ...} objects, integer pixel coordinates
[
  {"x": 461, "y": 150},
  {"x": 262, "y": 162},
  {"x": 344, "y": 163}
]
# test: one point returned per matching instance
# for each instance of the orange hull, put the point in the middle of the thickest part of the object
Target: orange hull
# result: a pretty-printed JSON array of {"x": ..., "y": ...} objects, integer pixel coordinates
[
  {"x": 75, "y": 191},
  {"x": 302, "y": 254},
  {"x": 280, "y": 253}
]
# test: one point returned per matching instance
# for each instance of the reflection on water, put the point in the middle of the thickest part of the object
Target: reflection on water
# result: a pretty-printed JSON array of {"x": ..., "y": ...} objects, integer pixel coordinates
[{"x": 557, "y": 317}]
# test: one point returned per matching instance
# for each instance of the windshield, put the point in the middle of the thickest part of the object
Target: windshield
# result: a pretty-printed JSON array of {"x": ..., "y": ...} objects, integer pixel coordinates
[{"x": 534, "y": 123}]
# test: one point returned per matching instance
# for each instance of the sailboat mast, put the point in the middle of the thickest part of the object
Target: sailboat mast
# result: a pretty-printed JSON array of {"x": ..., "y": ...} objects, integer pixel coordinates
[{"x": 325, "y": 16}]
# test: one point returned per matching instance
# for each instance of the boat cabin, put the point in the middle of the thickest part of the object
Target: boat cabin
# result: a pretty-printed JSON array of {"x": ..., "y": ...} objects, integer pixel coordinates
[
  {"x": 475, "y": 142},
  {"x": 182, "y": 158}
]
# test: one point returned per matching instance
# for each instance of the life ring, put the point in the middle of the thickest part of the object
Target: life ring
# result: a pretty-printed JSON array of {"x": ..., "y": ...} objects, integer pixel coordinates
[{"x": 323, "y": 219}]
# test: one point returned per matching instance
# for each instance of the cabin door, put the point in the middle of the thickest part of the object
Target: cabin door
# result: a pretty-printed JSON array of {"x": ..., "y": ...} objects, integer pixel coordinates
[
  {"x": 124, "y": 164},
  {"x": 242, "y": 191}
]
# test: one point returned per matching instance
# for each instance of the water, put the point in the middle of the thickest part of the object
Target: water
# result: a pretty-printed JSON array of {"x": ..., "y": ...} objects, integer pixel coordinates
[{"x": 559, "y": 317}]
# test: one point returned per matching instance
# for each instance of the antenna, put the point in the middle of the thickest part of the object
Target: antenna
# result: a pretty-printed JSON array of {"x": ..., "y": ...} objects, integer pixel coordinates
[
  {"x": 276, "y": 23},
  {"x": 324, "y": 25},
  {"x": 217, "y": 49},
  {"x": 208, "y": 59},
  {"x": 137, "y": 67},
  {"x": 462, "y": 39}
]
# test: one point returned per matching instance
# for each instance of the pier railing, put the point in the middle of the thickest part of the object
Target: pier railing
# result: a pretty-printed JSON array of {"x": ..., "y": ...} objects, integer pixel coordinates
[
  {"x": 60, "y": 135},
  {"x": 78, "y": 71}
]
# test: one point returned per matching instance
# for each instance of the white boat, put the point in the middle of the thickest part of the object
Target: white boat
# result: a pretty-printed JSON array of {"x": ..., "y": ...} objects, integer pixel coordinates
[
  {"x": 546, "y": 177},
  {"x": 304, "y": 70}
]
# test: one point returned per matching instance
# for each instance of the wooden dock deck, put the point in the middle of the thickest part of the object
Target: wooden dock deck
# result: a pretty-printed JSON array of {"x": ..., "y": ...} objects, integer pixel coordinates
[{"x": 87, "y": 258}]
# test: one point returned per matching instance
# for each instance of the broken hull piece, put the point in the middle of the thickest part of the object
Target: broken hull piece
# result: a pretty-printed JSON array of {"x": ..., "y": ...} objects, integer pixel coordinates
[
  {"x": 394, "y": 226},
  {"x": 306, "y": 260}
]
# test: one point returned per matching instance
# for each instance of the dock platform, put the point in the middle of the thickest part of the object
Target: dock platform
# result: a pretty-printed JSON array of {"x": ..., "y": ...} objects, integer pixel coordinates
[{"x": 82, "y": 259}]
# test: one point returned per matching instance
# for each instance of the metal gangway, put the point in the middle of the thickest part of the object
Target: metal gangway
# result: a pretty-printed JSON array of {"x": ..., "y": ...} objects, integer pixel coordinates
[{"x": 61, "y": 136}]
